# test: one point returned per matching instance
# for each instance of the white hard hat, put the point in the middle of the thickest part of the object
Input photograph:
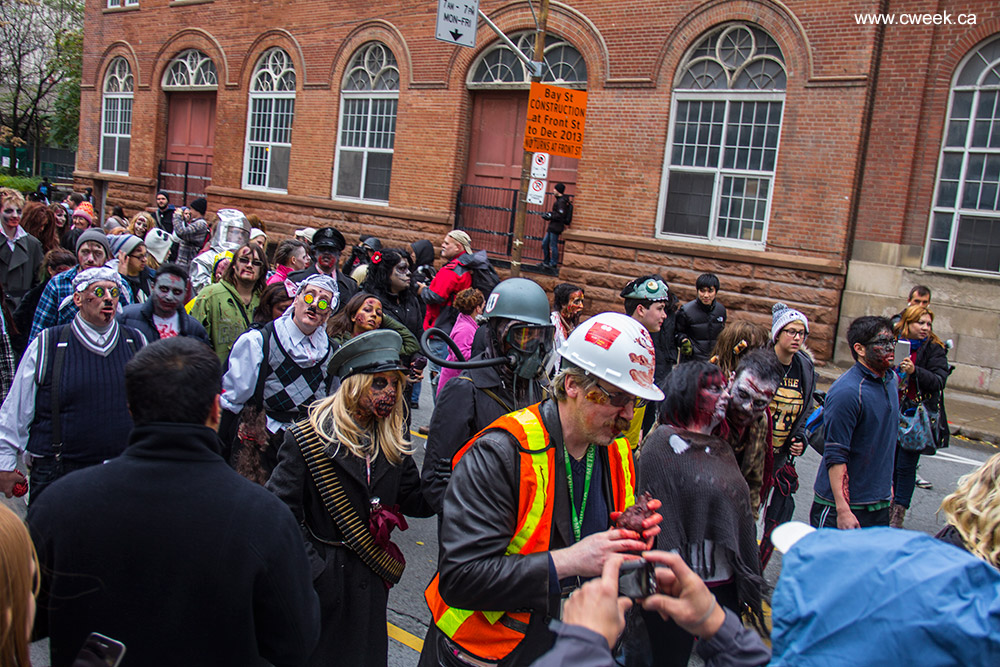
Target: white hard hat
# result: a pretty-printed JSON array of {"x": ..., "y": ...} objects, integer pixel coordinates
[{"x": 617, "y": 349}]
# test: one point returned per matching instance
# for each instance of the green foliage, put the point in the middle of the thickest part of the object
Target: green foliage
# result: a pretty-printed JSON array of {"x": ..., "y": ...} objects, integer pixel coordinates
[
  {"x": 20, "y": 183},
  {"x": 64, "y": 122}
]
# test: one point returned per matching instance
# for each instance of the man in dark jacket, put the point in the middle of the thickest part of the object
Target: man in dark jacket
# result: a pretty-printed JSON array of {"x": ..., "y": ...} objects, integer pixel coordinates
[
  {"x": 163, "y": 316},
  {"x": 701, "y": 320},
  {"x": 21, "y": 253},
  {"x": 473, "y": 400},
  {"x": 328, "y": 244},
  {"x": 559, "y": 219},
  {"x": 182, "y": 560},
  {"x": 164, "y": 212}
]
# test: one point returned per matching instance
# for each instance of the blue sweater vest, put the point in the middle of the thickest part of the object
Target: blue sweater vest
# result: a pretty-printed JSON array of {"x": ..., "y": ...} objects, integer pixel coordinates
[{"x": 95, "y": 418}]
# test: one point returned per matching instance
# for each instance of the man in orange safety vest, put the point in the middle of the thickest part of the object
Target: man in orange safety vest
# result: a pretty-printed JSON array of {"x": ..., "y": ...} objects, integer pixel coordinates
[{"x": 529, "y": 510}]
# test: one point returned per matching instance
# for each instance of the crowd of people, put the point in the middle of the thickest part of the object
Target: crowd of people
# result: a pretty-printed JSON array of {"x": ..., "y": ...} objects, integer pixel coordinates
[{"x": 253, "y": 422}]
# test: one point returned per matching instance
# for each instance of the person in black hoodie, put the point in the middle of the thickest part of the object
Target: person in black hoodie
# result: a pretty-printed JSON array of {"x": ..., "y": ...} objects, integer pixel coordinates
[
  {"x": 389, "y": 279},
  {"x": 700, "y": 321}
]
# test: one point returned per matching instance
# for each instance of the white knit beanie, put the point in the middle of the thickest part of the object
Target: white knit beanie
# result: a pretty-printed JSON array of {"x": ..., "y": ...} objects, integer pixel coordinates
[{"x": 782, "y": 316}]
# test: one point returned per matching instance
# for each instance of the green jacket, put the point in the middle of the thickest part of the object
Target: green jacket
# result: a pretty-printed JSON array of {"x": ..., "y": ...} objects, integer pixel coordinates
[{"x": 220, "y": 309}]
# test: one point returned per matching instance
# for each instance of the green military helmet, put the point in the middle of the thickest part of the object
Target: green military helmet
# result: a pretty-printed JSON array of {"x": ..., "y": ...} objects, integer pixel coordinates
[{"x": 519, "y": 299}]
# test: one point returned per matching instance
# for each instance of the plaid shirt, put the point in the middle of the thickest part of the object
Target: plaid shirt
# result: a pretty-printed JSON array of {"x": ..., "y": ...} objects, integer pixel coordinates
[{"x": 47, "y": 314}]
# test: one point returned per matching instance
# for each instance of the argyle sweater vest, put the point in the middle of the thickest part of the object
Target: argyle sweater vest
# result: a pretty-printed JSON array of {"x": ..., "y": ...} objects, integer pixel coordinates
[{"x": 290, "y": 389}]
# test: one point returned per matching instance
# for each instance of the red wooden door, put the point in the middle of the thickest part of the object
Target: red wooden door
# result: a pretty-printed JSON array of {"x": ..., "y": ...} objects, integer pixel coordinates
[{"x": 191, "y": 126}]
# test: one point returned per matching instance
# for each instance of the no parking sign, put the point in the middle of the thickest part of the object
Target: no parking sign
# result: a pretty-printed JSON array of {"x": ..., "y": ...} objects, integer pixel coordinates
[{"x": 536, "y": 191}]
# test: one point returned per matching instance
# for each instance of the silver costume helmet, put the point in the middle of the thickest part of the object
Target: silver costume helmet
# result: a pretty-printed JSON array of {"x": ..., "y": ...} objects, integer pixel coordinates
[{"x": 231, "y": 230}]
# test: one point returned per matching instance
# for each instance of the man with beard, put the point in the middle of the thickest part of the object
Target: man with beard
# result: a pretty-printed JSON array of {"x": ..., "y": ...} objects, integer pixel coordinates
[
  {"x": 853, "y": 487},
  {"x": 328, "y": 244},
  {"x": 751, "y": 391},
  {"x": 56, "y": 306},
  {"x": 295, "y": 376},
  {"x": 66, "y": 406},
  {"x": 226, "y": 308},
  {"x": 162, "y": 316},
  {"x": 529, "y": 511}
]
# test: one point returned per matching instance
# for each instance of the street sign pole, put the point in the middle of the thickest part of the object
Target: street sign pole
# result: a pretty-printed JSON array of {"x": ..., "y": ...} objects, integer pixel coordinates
[{"x": 522, "y": 201}]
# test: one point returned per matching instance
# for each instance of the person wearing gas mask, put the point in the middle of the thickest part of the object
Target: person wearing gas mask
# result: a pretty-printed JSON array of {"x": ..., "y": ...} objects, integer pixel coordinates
[
  {"x": 506, "y": 379},
  {"x": 231, "y": 231}
]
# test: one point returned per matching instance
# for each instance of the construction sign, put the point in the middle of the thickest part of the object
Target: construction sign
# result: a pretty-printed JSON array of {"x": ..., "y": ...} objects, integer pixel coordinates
[{"x": 556, "y": 117}]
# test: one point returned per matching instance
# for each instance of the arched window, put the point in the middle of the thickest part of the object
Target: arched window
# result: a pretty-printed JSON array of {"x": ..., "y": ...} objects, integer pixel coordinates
[
  {"x": 190, "y": 70},
  {"x": 725, "y": 124},
  {"x": 269, "y": 126},
  {"x": 964, "y": 232},
  {"x": 498, "y": 67},
  {"x": 116, "y": 117},
  {"x": 369, "y": 97}
]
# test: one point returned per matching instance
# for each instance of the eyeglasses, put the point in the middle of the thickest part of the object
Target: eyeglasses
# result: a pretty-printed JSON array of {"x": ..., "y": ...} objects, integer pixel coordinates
[
  {"x": 141, "y": 258},
  {"x": 619, "y": 399},
  {"x": 245, "y": 262},
  {"x": 310, "y": 299},
  {"x": 795, "y": 333},
  {"x": 113, "y": 292}
]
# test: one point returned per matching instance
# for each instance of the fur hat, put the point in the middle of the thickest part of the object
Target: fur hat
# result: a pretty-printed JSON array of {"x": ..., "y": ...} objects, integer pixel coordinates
[{"x": 782, "y": 316}]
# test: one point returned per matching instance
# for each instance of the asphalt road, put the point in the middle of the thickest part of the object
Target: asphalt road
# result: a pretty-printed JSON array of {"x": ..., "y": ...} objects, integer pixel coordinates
[{"x": 408, "y": 615}]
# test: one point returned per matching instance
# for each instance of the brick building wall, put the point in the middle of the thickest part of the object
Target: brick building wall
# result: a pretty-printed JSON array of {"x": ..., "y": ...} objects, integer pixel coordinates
[
  {"x": 916, "y": 71},
  {"x": 632, "y": 50}
]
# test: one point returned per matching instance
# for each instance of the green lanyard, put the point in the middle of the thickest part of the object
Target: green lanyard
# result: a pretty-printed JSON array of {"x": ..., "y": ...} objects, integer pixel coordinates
[{"x": 578, "y": 516}]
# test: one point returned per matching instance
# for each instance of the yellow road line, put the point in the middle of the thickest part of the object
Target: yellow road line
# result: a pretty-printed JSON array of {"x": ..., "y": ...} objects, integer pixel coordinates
[
  {"x": 405, "y": 638},
  {"x": 417, "y": 434}
]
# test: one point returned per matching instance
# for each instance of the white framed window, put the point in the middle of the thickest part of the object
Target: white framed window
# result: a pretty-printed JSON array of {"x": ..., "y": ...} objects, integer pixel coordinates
[
  {"x": 722, "y": 146},
  {"x": 369, "y": 98},
  {"x": 190, "y": 70},
  {"x": 498, "y": 67},
  {"x": 964, "y": 230},
  {"x": 114, "y": 4},
  {"x": 269, "y": 123},
  {"x": 116, "y": 117}
]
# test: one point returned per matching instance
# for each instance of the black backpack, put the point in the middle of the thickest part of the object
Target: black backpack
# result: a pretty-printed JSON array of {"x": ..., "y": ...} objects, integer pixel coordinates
[{"x": 484, "y": 276}]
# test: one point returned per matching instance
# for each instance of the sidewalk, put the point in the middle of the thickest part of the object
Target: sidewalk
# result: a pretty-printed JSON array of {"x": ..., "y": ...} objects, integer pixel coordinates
[{"x": 975, "y": 417}]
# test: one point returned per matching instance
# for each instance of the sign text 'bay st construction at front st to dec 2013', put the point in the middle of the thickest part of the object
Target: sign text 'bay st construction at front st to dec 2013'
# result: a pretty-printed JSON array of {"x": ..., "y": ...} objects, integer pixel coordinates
[{"x": 556, "y": 119}]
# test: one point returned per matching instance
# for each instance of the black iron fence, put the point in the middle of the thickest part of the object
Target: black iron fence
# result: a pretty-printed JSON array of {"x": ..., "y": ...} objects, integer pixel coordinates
[
  {"x": 184, "y": 181},
  {"x": 486, "y": 213}
]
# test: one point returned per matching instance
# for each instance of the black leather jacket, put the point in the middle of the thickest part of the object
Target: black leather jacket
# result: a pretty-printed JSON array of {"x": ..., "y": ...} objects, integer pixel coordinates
[{"x": 480, "y": 513}]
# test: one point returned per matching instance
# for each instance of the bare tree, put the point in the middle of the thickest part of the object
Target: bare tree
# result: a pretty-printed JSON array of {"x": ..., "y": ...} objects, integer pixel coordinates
[{"x": 39, "y": 50}]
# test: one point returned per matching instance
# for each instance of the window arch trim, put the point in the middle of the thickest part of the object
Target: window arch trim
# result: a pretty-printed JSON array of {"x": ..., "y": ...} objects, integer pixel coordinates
[
  {"x": 498, "y": 68},
  {"x": 190, "y": 69}
]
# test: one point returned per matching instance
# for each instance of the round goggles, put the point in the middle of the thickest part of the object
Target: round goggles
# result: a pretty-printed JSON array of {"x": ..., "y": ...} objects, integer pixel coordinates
[
  {"x": 113, "y": 292},
  {"x": 310, "y": 299}
]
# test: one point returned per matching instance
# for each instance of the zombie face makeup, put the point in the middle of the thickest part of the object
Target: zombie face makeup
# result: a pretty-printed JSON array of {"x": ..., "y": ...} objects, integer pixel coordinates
[
  {"x": 91, "y": 254},
  {"x": 368, "y": 317},
  {"x": 312, "y": 309},
  {"x": 142, "y": 226},
  {"x": 248, "y": 267},
  {"x": 878, "y": 352},
  {"x": 167, "y": 295},
  {"x": 710, "y": 405},
  {"x": 748, "y": 398},
  {"x": 60, "y": 217},
  {"x": 220, "y": 269},
  {"x": 381, "y": 397},
  {"x": 399, "y": 279},
  {"x": 98, "y": 303},
  {"x": 571, "y": 311},
  {"x": 11, "y": 215},
  {"x": 326, "y": 262}
]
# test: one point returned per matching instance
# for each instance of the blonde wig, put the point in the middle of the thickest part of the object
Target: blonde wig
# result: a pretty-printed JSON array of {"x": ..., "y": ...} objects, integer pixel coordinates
[
  {"x": 333, "y": 420},
  {"x": 913, "y": 314},
  {"x": 735, "y": 340},
  {"x": 974, "y": 510},
  {"x": 150, "y": 222},
  {"x": 10, "y": 194},
  {"x": 19, "y": 583}
]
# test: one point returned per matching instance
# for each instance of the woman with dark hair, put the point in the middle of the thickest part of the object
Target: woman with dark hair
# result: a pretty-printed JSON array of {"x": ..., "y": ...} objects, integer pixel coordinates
[
  {"x": 274, "y": 301},
  {"x": 364, "y": 313},
  {"x": 388, "y": 278},
  {"x": 922, "y": 377},
  {"x": 39, "y": 221},
  {"x": 354, "y": 447},
  {"x": 690, "y": 467}
]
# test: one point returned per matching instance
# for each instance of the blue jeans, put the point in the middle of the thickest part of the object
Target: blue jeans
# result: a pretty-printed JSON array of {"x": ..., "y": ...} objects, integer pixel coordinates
[
  {"x": 904, "y": 476},
  {"x": 550, "y": 247}
]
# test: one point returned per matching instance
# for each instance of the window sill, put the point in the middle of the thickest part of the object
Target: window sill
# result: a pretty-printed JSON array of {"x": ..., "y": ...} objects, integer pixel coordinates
[
  {"x": 115, "y": 178},
  {"x": 119, "y": 10},
  {"x": 184, "y": 3}
]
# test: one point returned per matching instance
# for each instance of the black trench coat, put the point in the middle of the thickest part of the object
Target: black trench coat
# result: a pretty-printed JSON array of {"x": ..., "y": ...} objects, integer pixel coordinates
[{"x": 352, "y": 597}]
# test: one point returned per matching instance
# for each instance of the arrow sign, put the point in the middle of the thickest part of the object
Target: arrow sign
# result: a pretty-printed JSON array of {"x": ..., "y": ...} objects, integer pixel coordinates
[{"x": 456, "y": 21}]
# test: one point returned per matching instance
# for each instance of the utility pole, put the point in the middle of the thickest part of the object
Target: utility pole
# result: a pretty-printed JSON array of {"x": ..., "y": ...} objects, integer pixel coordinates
[{"x": 521, "y": 213}]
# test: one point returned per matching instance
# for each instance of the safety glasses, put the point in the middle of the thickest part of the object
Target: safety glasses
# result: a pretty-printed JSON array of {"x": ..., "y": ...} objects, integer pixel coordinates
[
  {"x": 310, "y": 299},
  {"x": 619, "y": 399}
]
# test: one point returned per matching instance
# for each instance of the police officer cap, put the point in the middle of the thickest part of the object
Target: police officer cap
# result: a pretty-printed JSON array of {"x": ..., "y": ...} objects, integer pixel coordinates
[
  {"x": 329, "y": 238},
  {"x": 371, "y": 352},
  {"x": 648, "y": 289}
]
